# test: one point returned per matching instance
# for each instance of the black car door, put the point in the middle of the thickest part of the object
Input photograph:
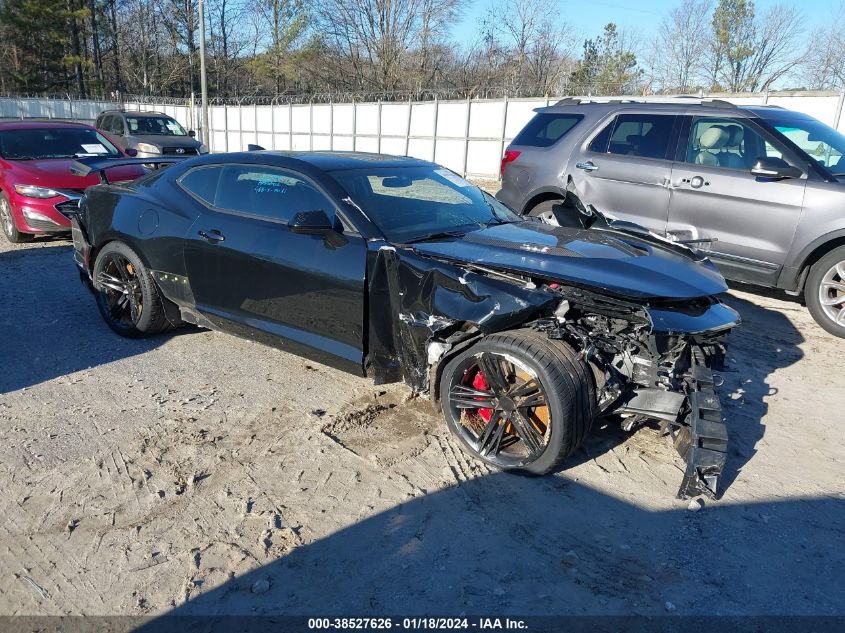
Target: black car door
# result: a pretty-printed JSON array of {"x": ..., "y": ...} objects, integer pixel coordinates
[{"x": 252, "y": 276}]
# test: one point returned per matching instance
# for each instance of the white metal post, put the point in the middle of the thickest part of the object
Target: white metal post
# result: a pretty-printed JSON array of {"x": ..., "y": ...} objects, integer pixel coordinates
[
  {"x": 311, "y": 126},
  {"x": 226, "y": 125},
  {"x": 504, "y": 129},
  {"x": 240, "y": 126},
  {"x": 290, "y": 125},
  {"x": 434, "y": 135},
  {"x": 205, "y": 134},
  {"x": 466, "y": 137},
  {"x": 837, "y": 122},
  {"x": 273, "y": 124},
  {"x": 255, "y": 115},
  {"x": 378, "y": 130},
  {"x": 354, "y": 124},
  {"x": 408, "y": 126},
  {"x": 331, "y": 125}
]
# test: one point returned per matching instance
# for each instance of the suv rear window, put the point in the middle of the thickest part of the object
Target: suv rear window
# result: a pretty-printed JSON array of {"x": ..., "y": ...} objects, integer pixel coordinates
[
  {"x": 644, "y": 135},
  {"x": 546, "y": 129}
]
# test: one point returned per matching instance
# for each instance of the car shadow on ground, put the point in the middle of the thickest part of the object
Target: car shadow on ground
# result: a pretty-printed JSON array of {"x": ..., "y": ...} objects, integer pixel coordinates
[
  {"x": 49, "y": 322},
  {"x": 503, "y": 544},
  {"x": 766, "y": 342}
]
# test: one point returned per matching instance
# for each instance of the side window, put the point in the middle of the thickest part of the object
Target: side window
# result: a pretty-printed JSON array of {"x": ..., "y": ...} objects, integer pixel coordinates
[
  {"x": 728, "y": 143},
  {"x": 268, "y": 192},
  {"x": 116, "y": 126},
  {"x": 546, "y": 129},
  {"x": 599, "y": 143},
  {"x": 202, "y": 182},
  {"x": 643, "y": 135}
]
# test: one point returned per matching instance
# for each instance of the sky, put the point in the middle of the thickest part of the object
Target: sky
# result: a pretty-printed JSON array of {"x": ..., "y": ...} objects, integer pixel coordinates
[{"x": 588, "y": 17}]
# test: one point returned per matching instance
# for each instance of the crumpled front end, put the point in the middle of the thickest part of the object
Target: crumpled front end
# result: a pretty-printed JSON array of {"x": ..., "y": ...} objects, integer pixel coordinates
[
  {"x": 651, "y": 360},
  {"x": 656, "y": 363}
]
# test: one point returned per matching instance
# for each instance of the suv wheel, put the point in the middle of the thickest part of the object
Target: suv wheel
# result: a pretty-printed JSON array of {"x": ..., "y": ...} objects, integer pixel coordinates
[
  {"x": 825, "y": 292},
  {"x": 543, "y": 211}
]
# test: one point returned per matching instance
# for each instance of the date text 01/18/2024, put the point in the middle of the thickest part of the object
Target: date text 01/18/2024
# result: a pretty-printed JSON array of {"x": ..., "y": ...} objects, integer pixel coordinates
[{"x": 419, "y": 623}]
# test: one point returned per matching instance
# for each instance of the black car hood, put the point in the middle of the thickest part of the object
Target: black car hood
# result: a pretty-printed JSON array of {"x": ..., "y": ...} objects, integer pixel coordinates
[{"x": 615, "y": 262}]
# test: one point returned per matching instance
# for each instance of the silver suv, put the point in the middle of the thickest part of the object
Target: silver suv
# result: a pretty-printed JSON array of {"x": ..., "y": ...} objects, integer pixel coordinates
[
  {"x": 149, "y": 134},
  {"x": 766, "y": 185}
]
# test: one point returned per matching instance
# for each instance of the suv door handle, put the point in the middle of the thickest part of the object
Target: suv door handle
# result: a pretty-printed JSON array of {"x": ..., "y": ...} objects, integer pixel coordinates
[
  {"x": 213, "y": 236},
  {"x": 588, "y": 166}
]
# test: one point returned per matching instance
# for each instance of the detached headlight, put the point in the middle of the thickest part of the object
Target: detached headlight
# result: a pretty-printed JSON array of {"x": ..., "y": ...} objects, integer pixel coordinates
[
  {"x": 203, "y": 149},
  {"x": 148, "y": 149},
  {"x": 34, "y": 191}
]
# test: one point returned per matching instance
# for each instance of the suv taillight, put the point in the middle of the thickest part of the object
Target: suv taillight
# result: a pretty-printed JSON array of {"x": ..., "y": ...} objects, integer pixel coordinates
[{"x": 510, "y": 156}]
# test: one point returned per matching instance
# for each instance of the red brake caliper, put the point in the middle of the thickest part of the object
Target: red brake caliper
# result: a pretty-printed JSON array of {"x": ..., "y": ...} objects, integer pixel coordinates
[{"x": 480, "y": 383}]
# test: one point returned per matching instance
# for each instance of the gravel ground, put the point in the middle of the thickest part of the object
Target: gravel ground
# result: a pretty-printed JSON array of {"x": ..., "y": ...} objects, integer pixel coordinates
[{"x": 201, "y": 473}]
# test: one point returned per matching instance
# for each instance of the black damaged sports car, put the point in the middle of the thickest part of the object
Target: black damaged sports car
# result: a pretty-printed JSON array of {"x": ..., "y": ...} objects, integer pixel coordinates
[{"x": 521, "y": 332}]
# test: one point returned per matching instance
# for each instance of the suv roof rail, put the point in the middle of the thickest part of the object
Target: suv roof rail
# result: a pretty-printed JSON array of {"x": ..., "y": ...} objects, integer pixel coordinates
[{"x": 716, "y": 103}]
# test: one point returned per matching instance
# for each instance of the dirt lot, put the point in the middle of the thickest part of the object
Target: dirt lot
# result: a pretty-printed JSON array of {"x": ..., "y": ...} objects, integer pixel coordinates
[{"x": 181, "y": 473}]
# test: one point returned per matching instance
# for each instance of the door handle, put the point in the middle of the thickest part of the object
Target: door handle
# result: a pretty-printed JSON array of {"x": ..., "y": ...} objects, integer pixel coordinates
[
  {"x": 588, "y": 166},
  {"x": 212, "y": 236}
]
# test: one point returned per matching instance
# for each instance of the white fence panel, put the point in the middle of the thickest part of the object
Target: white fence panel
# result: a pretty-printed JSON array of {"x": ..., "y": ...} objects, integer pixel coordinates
[{"x": 467, "y": 137}]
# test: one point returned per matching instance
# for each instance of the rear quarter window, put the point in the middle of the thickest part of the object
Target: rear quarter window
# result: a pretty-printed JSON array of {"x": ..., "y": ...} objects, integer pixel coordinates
[{"x": 546, "y": 129}]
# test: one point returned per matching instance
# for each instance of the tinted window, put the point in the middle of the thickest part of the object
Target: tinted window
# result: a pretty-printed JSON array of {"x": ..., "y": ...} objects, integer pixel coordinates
[
  {"x": 267, "y": 192},
  {"x": 63, "y": 142},
  {"x": 202, "y": 182},
  {"x": 115, "y": 125},
  {"x": 408, "y": 203},
  {"x": 728, "y": 143},
  {"x": 544, "y": 130},
  {"x": 644, "y": 135},
  {"x": 599, "y": 143}
]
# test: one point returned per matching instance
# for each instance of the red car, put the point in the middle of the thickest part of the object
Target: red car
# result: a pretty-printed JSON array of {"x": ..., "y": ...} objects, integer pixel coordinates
[{"x": 36, "y": 186}]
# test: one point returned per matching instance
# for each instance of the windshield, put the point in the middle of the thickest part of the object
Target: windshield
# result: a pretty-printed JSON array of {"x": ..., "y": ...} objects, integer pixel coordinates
[
  {"x": 821, "y": 142},
  {"x": 60, "y": 142},
  {"x": 154, "y": 125},
  {"x": 415, "y": 203}
]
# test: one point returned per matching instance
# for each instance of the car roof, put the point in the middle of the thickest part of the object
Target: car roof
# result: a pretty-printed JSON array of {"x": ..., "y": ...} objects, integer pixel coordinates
[
  {"x": 671, "y": 104},
  {"x": 40, "y": 124},
  {"x": 136, "y": 113},
  {"x": 335, "y": 161}
]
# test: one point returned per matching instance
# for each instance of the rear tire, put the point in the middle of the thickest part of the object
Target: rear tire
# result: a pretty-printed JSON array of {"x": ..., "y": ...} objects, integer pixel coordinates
[
  {"x": 824, "y": 292},
  {"x": 127, "y": 296},
  {"x": 543, "y": 210},
  {"x": 505, "y": 430},
  {"x": 7, "y": 221}
]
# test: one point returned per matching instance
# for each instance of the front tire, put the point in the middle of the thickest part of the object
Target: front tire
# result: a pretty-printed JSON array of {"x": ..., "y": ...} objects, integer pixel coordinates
[
  {"x": 127, "y": 296},
  {"x": 825, "y": 292},
  {"x": 519, "y": 401},
  {"x": 7, "y": 221}
]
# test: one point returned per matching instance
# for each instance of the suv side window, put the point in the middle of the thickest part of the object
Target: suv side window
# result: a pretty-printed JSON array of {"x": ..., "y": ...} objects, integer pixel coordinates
[
  {"x": 115, "y": 125},
  {"x": 546, "y": 129},
  {"x": 267, "y": 192},
  {"x": 729, "y": 143},
  {"x": 643, "y": 135}
]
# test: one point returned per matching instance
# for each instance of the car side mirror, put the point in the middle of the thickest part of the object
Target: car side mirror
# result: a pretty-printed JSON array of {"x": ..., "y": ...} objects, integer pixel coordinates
[
  {"x": 317, "y": 223},
  {"x": 775, "y": 168},
  {"x": 132, "y": 152},
  {"x": 192, "y": 134}
]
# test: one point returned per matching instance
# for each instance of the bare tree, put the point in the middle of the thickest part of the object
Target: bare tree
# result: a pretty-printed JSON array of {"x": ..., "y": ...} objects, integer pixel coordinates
[
  {"x": 676, "y": 58},
  {"x": 824, "y": 62},
  {"x": 375, "y": 37},
  {"x": 776, "y": 49}
]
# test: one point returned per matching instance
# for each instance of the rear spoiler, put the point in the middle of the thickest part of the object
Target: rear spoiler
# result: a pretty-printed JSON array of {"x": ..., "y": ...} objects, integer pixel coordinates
[{"x": 96, "y": 165}]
